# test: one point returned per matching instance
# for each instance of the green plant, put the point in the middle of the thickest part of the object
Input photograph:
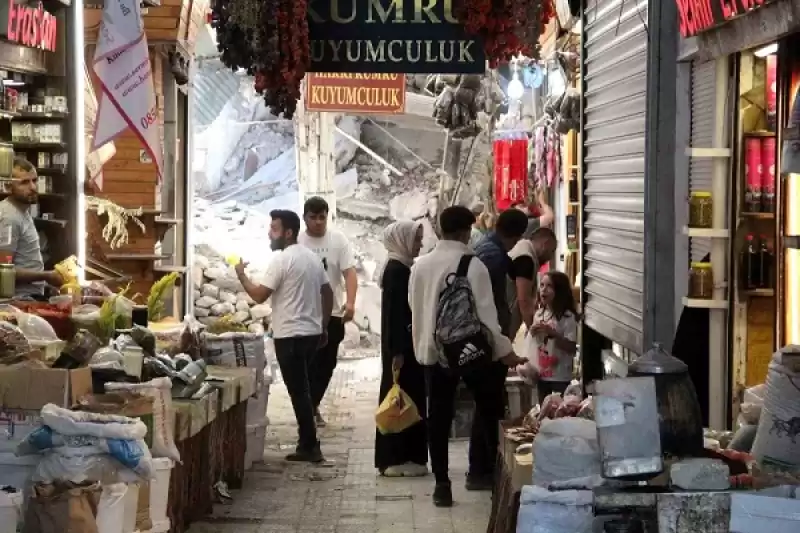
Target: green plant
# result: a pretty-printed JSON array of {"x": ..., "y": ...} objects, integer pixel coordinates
[{"x": 158, "y": 293}]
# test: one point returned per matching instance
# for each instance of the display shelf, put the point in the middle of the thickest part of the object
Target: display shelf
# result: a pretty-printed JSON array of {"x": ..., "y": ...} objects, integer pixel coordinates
[
  {"x": 23, "y": 145},
  {"x": 168, "y": 221},
  {"x": 765, "y": 134},
  {"x": 699, "y": 303},
  {"x": 41, "y": 195},
  {"x": 761, "y": 216},
  {"x": 762, "y": 293},
  {"x": 32, "y": 115},
  {"x": 167, "y": 269},
  {"x": 707, "y": 233},
  {"x": 136, "y": 257},
  {"x": 51, "y": 171},
  {"x": 51, "y": 221}
]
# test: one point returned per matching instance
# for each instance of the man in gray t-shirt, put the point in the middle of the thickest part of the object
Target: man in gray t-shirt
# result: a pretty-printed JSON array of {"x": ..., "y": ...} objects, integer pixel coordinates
[{"x": 18, "y": 236}]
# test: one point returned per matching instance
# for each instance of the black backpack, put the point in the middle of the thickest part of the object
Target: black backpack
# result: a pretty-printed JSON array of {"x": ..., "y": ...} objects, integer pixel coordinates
[{"x": 461, "y": 337}]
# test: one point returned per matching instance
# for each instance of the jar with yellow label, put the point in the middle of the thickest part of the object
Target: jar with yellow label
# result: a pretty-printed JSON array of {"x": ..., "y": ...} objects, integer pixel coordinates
[
  {"x": 701, "y": 210},
  {"x": 701, "y": 281}
]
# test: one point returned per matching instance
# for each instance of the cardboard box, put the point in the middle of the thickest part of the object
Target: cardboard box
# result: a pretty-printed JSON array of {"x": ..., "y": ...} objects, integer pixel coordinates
[{"x": 32, "y": 388}]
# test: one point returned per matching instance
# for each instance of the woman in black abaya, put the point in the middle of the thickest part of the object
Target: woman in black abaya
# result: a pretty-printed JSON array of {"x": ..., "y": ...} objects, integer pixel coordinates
[{"x": 405, "y": 453}]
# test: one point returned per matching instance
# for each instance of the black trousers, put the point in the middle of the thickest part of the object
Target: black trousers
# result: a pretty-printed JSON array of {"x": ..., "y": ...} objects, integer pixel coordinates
[
  {"x": 487, "y": 389},
  {"x": 295, "y": 355},
  {"x": 325, "y": 361}
]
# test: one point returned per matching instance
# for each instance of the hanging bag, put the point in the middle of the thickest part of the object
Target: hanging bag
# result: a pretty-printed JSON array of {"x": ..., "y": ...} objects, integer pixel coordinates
[{"x": 397, "y": 412}]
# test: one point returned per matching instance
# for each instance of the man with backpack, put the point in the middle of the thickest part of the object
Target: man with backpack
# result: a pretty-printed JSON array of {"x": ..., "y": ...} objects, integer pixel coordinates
[{"x": 457, "y": 337}]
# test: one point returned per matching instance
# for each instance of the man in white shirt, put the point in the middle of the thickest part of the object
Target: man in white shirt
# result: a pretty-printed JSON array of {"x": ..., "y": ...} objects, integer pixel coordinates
[
  {"x": 301, "y": 308},
  {"x": 337, "y": 257},
  {"x": 427, "y": 281}
]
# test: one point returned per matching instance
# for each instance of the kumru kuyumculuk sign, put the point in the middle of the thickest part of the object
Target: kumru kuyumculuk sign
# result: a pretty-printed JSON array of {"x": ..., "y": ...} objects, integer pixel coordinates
[
  {"x": 356, "y": 93},
  {"x": 391, "y": 36}
]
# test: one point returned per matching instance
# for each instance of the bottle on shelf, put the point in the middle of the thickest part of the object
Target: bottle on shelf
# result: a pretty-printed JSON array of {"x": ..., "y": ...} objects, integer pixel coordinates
[
  {"x": 753, "y": 171},
  {"x": 768, "y": 175},
  {"x": 751, "y": 276},
  {"x": 771, "y": 87},
  {"x": 765, "y": 262}
]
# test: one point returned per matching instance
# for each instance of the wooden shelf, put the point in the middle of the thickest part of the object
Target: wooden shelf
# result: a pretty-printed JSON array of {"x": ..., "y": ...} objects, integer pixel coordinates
[
  {"x": 170, "y": 268},
  {"x": 697, "y": 153},
  {"x": 51, "y": 221},
  {"x": 766, "y": 134},
  {"x": 33, "y": 115},
  {"x": 704, "y": 304},
  {"x": 760, "y": 293},
  {"x": 761, "y": 216},
  {"x": 136, "y": 257},
  {"x": 51, "y": 171},
  {"x": 168, "y": 221},
  {"x": 707, "y": 233}
]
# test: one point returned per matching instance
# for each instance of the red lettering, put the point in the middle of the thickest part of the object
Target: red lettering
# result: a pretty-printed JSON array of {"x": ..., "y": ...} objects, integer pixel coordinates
[
  {"x": 11, "y": 30},
  {"x": 729, "y": 9},
  {"x": 708, "y": 15},
  {"x": 683, "y": 18},
  {"x": 27, "y": 19},
  {"x": 36, "y": 26}
]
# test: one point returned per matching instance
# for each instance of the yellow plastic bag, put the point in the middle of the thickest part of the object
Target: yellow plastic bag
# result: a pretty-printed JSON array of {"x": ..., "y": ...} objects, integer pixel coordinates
[{"x": 397, "y": 412}]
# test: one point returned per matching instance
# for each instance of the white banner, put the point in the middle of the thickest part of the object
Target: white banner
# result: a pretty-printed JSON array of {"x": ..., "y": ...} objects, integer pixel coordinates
[{"x": 122, "y": 66}]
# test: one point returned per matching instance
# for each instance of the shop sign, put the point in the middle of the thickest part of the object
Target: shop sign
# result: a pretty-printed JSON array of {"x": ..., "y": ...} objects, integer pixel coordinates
[
  {"x": 391, "y": 36},
  {"x": 697, "y": 16},
  {"x": 30, "y": 25},
  {"x": 356, "y": 93}
]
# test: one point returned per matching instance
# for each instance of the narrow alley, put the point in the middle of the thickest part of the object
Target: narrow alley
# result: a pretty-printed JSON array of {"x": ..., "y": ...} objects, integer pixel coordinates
[{"x": 344, "y": 495}]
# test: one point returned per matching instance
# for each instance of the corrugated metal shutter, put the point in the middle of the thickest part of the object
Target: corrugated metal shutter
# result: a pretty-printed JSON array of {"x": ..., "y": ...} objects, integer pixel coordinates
[
  {"x": 615, "y": 96},
  {"x": 703, "y": 94}
]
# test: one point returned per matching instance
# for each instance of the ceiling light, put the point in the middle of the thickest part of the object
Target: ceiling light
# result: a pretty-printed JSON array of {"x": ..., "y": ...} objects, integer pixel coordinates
[
  {"x": 766, "y": 50},
  {"x": 13, "y": 83},
  {"x": 515, "y": 88}
]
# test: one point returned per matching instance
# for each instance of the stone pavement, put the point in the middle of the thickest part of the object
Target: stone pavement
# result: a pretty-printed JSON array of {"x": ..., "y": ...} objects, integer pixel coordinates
[{"x": 344, "y": 495}]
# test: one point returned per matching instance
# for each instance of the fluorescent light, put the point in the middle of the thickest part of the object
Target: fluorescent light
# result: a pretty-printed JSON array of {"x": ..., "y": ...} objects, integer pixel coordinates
[
  {"x": 13, "y": 83},
  {"x": 79, "y": 86},
  {"x": 766, "y": 50}
]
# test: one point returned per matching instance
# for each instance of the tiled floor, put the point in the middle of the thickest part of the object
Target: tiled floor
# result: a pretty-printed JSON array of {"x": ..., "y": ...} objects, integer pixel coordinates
[{"x": 344, "y": 495}]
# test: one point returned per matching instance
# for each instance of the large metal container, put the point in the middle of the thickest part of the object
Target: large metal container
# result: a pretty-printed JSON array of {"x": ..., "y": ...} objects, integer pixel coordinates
[{"x": 627, "y": 428}]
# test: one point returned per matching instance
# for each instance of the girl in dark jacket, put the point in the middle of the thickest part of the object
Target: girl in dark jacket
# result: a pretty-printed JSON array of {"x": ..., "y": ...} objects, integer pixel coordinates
[{"x": 405, "y": 453}]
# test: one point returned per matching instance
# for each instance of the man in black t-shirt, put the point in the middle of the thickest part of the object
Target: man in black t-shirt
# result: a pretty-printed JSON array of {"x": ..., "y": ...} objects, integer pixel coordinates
[{"x": 526, "y": 260}]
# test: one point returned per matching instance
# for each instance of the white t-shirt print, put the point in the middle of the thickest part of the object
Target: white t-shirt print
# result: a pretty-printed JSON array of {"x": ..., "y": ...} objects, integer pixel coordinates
[
  {"x": 555, "y": 364},
  {"x": 337, "y": 256},
  {"x": 296, "y": 278}
]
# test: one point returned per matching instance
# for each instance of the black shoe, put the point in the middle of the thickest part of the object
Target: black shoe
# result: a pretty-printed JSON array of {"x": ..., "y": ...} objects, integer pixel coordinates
[
  {"x": 443, "y": 495},
  {"x": 479, "y": 483},
  {"x": 306, "y": 456}
]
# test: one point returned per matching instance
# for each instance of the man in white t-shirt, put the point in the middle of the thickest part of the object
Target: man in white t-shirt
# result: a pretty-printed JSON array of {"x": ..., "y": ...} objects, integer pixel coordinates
[
  {"x": 337, "y": 257},
  {"x": 301, "y": 308}
]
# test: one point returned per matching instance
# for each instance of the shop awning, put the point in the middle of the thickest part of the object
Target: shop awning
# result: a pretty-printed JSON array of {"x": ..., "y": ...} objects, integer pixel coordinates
[{"x": 764, "y": 25}]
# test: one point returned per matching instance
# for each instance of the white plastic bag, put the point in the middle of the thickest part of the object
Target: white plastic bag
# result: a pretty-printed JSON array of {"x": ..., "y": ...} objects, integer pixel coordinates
[
  {"x": 565, "y": 449},
  {"x": 542, "y": 511},
  {"x": 530, "y": 350},
  {"x": 160, "y": 390}
]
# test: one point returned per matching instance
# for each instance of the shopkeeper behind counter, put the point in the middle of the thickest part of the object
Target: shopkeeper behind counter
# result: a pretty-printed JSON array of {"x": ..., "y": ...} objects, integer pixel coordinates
[{"x": 18, "y": 236}]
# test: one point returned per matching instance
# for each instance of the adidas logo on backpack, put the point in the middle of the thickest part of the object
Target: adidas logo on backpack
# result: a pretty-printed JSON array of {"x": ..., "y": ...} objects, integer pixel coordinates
[{"x": 462, "y": 338}]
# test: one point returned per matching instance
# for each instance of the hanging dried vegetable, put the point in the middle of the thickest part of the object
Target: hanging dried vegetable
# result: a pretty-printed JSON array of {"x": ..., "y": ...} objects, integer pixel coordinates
[
  {"x": 507, "y": 27},
  {"x": 115, "y": 232},
  {"x": 269, "y": 39}
]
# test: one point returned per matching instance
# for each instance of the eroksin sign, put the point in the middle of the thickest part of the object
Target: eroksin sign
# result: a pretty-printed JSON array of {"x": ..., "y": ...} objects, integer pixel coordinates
[
  {"x": 391, "y": 36},
  {"x": 697, "y": 16},
  {"x": 356, "y": 93}
]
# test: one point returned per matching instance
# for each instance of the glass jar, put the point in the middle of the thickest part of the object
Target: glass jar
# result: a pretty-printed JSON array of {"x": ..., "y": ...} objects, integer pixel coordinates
[
  {"x": 701, "y": 210},
  {"x": 701, "y": 281},
  {"x": 8, "y": 279}
]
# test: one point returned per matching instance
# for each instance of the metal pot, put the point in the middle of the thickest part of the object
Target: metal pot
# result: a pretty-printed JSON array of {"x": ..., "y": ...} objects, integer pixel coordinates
[{"x": 680, "y": 419}]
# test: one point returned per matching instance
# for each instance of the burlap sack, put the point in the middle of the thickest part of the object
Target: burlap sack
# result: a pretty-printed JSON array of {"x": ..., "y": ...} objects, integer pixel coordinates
[
  {"x": 62, "y": 508},
  {"x": 121, "y": 403},
  {"x": 143, "y": 522}
]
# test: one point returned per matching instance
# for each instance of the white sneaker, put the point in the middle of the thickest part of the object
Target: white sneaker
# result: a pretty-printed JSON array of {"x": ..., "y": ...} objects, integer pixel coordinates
[
  {"x": 414, "y": 470},
  {"x": 319, "y": 420},
  {"x": 393, "y": 471}
]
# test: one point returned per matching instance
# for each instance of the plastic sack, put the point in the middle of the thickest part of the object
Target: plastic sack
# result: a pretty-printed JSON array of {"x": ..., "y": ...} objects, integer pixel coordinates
[
  {"x": 550, "y": 405},
  {"x": 14, "y": 346},
  {"x": 397, "y": 411},
  {"x": 569, "y": 406},
  {"x": 236, "y": 349},
  {"x": 111, "y": 509},
  {"x": 62, "y": 508},
  {"x": 160, "y": 390},
  {"x": 753, "y": 401},
  {"x": 565, "y": 449},
  {"x": 68, "y": 464},
  {"x": 542, "y": 511},
  {"x": 574, "y": 389},
  {"x": 107, "y": 358},
  {"x": 586, "y": 409},
  {"x": 530, "y": 370},
  {"x": 35, "y": 328}
]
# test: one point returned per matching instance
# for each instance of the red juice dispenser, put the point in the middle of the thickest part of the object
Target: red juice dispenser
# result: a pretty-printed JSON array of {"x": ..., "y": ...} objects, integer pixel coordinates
[
  {"x": 768, "y": 175},
  {"x": 510, "y": 151},
  {"x": 752, "y": 171}
]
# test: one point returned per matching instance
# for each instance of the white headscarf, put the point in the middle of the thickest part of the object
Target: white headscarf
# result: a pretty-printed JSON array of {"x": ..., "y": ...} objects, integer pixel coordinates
[{"x": 398, "y": 239}]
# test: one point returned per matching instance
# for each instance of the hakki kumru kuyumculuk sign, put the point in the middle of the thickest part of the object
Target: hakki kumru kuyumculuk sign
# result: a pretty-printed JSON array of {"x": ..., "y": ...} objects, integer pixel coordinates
[
  {"x": 391, "y": 36},
  {"x": 356, "y": 93},
  {"x": 697, "y": 16}
]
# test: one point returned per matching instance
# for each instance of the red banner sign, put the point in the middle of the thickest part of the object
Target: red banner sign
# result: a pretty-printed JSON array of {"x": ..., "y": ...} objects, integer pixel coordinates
[
  {"x": 31, "y": 26},
  {"x": 697, "y": 16},
  {"x": 510, "y": 171},
  {"x": 356, "y": 93}
]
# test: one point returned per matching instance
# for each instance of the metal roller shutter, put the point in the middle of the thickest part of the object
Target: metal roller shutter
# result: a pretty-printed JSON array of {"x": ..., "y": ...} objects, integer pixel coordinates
[
  {"x": 703, "y": 91},
  {"x": 615, "y": 100}
]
